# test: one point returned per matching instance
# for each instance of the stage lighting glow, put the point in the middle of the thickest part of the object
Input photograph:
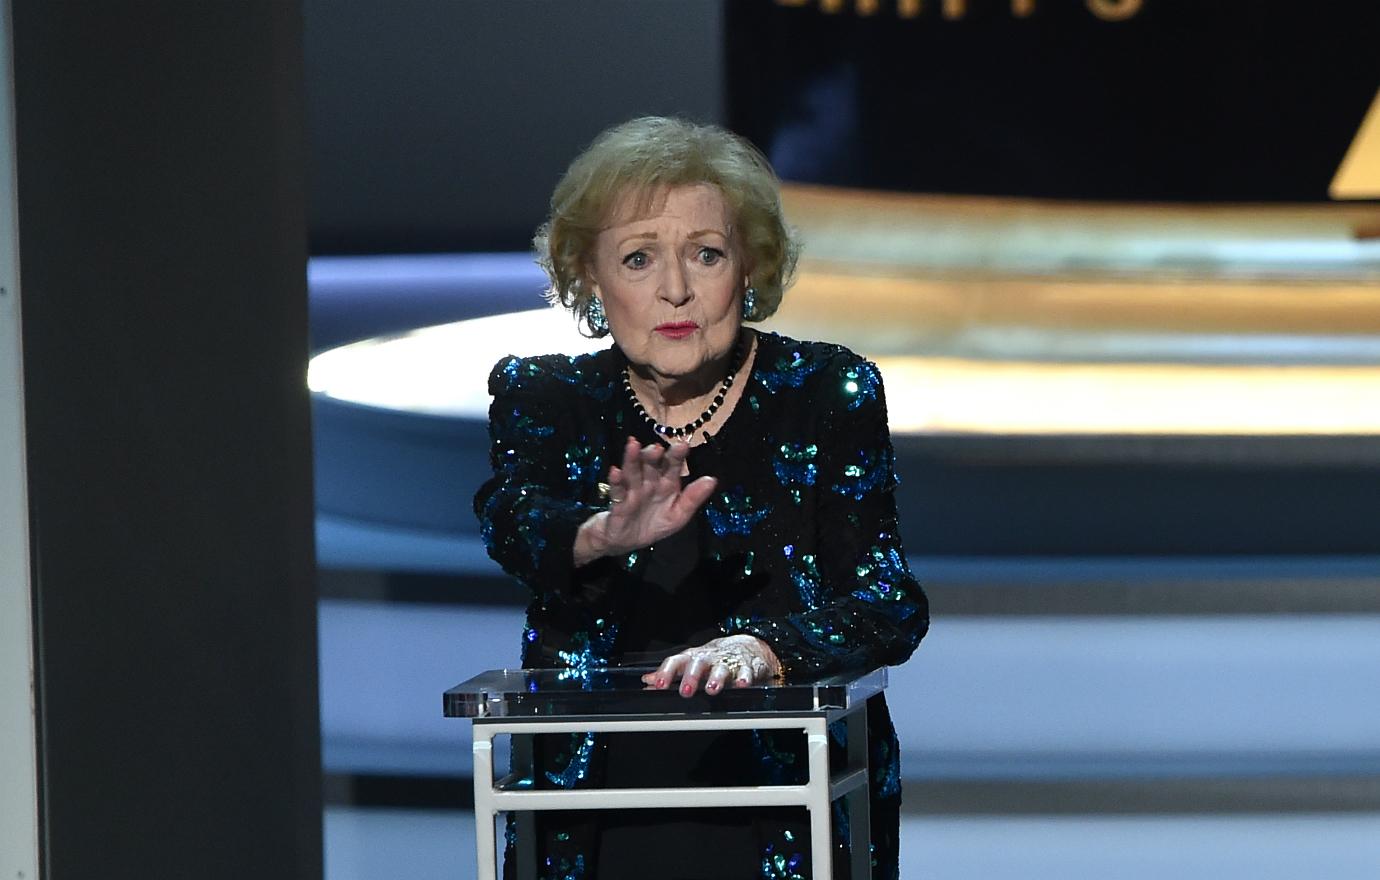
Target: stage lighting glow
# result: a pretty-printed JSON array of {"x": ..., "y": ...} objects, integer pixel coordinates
[
  {"x": 441, "y": 371},
  {"x": 1087, "y": 319},
  {"x": 884, "y": 233},
  {"x": 943, "y": 395},
  {"x": 1017, "y": 316}
]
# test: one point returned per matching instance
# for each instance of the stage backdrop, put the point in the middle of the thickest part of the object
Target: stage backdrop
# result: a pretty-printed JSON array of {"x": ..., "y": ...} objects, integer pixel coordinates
[{"x": 1239, "y": 100}]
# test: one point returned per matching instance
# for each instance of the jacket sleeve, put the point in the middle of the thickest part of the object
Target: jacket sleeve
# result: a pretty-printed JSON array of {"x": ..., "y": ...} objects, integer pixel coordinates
[
  {"x": 869, "y": 611},
  {"x": 530, "y": 509}
]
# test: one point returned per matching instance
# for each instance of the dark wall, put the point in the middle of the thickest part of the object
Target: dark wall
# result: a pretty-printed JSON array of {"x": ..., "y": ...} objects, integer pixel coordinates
[
  {"x": 442, "y": 125},
  {"x": 162, "y": 227}
]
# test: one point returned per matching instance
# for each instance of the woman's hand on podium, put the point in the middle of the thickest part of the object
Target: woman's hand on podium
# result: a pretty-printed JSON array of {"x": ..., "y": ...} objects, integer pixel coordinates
[{"x": 737, "y": 661}]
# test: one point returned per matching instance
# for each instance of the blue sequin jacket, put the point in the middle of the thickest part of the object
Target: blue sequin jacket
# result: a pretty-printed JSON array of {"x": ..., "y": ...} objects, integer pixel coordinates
[{"x": 801, "y": 537}]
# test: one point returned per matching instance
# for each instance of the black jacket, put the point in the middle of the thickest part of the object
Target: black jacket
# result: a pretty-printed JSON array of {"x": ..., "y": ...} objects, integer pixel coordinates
[{"x": 799, "y": 545}]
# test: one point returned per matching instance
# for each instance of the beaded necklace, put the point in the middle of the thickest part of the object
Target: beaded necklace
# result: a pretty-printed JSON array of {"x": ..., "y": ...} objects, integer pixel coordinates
[{"x": 688, "y": 430}]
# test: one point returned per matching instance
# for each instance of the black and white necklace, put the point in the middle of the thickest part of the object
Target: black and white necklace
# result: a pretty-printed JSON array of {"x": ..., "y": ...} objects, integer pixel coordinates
[{"x": 687, "y": 431}]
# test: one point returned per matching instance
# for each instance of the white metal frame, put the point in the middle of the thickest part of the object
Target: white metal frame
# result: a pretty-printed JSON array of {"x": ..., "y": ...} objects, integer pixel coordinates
[
  {"x": 494, "y": 796},
  {"x": 19, "y": 829}
]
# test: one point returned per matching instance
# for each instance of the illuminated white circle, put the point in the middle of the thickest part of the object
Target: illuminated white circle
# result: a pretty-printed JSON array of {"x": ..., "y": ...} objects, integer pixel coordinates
[{"x": 442, "y": 371}]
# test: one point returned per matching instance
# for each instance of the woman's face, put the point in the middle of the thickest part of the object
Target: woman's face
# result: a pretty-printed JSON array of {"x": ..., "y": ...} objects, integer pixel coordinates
[{"x": 671, "y": 283}]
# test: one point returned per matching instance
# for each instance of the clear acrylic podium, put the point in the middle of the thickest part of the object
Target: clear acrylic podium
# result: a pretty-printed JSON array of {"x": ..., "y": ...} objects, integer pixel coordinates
[{"x": 526, "y": 702}]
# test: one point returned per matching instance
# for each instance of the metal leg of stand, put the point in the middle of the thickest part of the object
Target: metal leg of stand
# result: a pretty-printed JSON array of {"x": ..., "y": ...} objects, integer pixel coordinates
[
  {"x": 487, "y": 868},
  {"x": 858, "y": 800},
  {"x": 821, "y": 836},
  {"x": 525, "y": 822}
]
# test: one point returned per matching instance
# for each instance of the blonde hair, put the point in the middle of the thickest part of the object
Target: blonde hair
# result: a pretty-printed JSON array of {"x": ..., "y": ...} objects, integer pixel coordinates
[{"x": 641, "y": 159}]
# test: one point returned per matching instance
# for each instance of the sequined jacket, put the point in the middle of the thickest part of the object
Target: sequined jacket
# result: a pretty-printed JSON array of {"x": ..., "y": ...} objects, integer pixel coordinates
[{"x": 801, "y": 537}]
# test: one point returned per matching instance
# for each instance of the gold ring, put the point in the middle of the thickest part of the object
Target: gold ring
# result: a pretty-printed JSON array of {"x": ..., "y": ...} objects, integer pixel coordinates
[{"x": 724, "y": 658}]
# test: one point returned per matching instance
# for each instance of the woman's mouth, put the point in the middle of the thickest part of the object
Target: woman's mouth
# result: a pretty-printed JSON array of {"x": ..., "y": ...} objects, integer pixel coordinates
[{"x": 677, "y": 329}]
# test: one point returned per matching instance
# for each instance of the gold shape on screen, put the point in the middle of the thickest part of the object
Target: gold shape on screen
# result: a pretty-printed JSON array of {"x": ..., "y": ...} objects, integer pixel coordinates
[
  {"x": 1114, "y": 10},
  {"x": 1358, "y": 177}
]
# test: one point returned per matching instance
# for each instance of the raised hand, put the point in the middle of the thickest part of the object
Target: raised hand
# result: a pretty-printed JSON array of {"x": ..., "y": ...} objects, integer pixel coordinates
[
  {"x": 741, "y": 660},
  {"x": 648, "y": 502}
]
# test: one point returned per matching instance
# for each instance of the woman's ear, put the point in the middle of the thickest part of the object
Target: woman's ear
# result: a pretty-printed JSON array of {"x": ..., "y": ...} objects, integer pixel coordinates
[{"x": 587, "y": 278}]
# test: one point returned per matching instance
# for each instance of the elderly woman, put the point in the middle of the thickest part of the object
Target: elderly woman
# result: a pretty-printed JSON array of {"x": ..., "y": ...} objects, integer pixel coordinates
[{"x": 714, "y": 495}]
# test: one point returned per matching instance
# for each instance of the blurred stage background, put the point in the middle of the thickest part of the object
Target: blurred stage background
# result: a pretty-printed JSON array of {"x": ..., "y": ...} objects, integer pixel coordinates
[{"x": 1128, "y": 312}]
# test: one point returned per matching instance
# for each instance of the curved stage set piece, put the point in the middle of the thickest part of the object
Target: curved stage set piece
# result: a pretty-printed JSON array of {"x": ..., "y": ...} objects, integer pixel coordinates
[{"x": 1081, "y": 337}]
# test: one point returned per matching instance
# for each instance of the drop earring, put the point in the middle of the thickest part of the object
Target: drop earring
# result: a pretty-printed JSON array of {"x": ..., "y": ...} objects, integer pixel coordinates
[
  {"x": 598, "y": 322},
  {"x": 749, "y": 303}
]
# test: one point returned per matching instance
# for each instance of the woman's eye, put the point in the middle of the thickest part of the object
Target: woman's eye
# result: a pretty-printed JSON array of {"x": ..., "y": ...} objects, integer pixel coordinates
[
  {"x": 635, "y": 260},
  {"x": 709, "y": 256}
]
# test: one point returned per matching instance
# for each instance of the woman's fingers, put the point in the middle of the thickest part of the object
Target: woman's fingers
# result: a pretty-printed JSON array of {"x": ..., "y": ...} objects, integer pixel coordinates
[
  {"x": 718, "y": 674},
  {"x": 690, "y": 667},
  {"x": 632, "y": 465},
  {"x": 653, "y": 462},
  {"x": 651, "y": 455},
  {"x": 666, "y": 673},
  {"x": 647, "y": 499},
  {"x": 732, "y": 661},
  {"x": 617, "y": 485},
  {"x": 676, "y": 455},
  {"x": 693, "y": 496},
  {"x": 697, "y": 668}
]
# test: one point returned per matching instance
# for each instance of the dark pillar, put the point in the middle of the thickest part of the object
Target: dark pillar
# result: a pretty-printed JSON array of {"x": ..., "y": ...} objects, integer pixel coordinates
[{"x": 162, "y": 259}]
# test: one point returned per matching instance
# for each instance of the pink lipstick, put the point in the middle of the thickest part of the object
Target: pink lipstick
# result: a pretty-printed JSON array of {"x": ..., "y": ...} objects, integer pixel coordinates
[{"x": 677, "y": 329}]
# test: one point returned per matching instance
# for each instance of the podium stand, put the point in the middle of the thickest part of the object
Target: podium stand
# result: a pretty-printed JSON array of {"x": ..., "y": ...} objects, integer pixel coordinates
[{"x": 527, "y": 702}]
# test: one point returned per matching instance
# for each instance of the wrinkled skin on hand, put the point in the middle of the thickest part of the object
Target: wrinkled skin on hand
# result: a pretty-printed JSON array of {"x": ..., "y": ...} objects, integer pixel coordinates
[
  {"x": 742, "y": 660},
  {"x": 648, "y": 502}
]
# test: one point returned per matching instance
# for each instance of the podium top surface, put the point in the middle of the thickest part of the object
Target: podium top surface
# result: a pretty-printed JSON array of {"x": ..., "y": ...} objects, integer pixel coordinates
[{"x": 558, "y": 693}]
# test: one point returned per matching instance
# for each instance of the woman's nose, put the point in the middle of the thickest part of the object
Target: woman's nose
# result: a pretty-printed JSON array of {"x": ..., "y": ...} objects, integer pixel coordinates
[{"x": 675, "y": 284}]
